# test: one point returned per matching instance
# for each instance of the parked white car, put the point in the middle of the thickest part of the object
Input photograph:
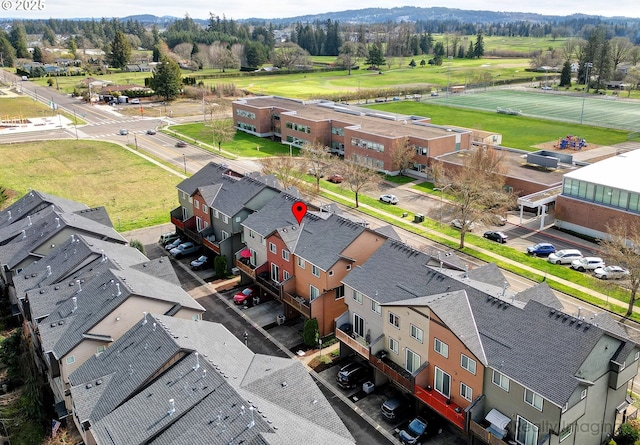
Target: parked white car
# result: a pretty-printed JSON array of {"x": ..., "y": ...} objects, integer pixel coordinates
[
  {"x": 389, "y": 199},
  {"x": 611, "y": 273},
  {"x": 565, "y": 256},
  {"x": 587, "y": 263},
  {"x": 457, "y": 223}
]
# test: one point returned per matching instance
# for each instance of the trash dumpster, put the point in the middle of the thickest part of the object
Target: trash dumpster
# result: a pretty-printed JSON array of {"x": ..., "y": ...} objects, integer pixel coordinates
[{"x": 418, "y": 218}]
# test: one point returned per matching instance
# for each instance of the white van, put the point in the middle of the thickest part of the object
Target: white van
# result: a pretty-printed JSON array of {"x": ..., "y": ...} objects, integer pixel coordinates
[
  {"x": 565, "y": 256},
  {"x": 134, "y": 101}
]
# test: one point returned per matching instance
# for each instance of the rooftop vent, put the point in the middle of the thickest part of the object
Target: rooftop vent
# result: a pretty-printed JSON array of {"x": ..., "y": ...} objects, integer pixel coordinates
[
  {"x": 89, "y": 385},
  {"x": 98, "y": 382}
]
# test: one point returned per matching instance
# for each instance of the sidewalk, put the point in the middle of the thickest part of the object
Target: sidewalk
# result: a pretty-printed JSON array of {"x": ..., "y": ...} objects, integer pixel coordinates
[{"x": 497, "y": 257}]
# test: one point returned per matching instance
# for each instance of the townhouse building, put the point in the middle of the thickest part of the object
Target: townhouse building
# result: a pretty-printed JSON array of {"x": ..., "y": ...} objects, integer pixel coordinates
[
  {"x": 169, "y": 381},
  {"x": 307, "y": 262},
  {"x": 503, "y": 367},
  {"x": 364, "y": 135}
]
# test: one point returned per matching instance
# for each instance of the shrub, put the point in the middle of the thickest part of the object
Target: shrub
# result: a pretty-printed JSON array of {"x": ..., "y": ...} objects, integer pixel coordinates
[
  {"x": 220, "y": 266},
  {"x": 137, "y": 244},
  {"x": 310, "y": 332},
  {"x": 626, "y": 435}
]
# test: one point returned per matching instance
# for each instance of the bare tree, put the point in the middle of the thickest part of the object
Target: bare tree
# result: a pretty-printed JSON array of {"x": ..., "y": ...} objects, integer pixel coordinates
[
  {"x": 183, "y": 50},
  {"x": 350, "y": 52},
  {"x": 402, "y": 154},
  {"x": 287, "y": 170},
  {"x": 477, "y": 186},
  {"x": 620, "y": 49},
  {"x": 317, "y": 159},
  {"x": 289, "y": 55},
  {"x": 220, "y": 127},
  {"x": 622, "y": 248},
  {"x": 569, "y": 48},
  {"x": 358, "y": 177}
]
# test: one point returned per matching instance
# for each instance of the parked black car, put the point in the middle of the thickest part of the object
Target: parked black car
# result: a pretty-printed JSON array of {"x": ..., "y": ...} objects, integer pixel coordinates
[
  {"x": 396, "y": 408},
  {"x": 498, "y": 237},
  {"x": 352, "y": 374}
]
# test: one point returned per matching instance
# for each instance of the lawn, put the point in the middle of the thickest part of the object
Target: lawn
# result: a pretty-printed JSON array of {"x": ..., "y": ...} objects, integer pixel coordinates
[
  {"x": 93, "y": 173},
  {"x": 517, "y": 131},
  {"x": 25, "y": 107}
]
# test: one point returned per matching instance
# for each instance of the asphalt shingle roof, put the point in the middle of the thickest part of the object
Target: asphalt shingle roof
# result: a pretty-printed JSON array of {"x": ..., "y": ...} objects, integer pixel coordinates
[
  {"x": 33, "y": 202},
  {"x": 275, "y": 214}
]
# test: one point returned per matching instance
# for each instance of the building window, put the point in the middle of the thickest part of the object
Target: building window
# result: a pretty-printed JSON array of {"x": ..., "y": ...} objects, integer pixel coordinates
[
  {"x": 500, "y": 380},
  {"x": 315, "y": 270},
  {"x": 340, "y": 292},
  {"x": 583, "y": 394},
  {"x": 416, "y": 333},
  {"x": 71, "y": 359},
  {"x": 348, "y": 266},
  {"x": 393, "y": 345},
  {"x": 413, "y": 361},
  {"x": 636, "y": 356},
  {"x": 272, "y": 248},
  {"x": 526, "y": 432},
  {"x": 204, "y": 208},
  {"x": 245, "y": 113},
  {"x": 331, "y": 273},
  {"x": 468, "y": 363},
  {"x": 224, "y": 235},
  {"x": 100, "y": 349},
  {"x": 394, "y": 320},
  {"x": 285, "y": 254},
  {"x": 196, "y": 203},
  {"x": 442, "y": 382},
  {"x": 533, "y": 399},
  {"x": 375, "y": 307},
  {"x": 252, "y": 234},
  {"x": 441, "y": 347},
  {"x": 466, "y": 392},
  {"x": 313, "y": 292},
  {"x": 301, "y": 263},
  {"x": 566, "y": 432},
  {"x": 285, "y": 275},
  {"x": 565, "y": 407},
  {"x": 357, "y": 296},
  {"x": 358, "y": 325},
  {"x": 216, "y": 214},
  {"x": 225, "y": 219}
]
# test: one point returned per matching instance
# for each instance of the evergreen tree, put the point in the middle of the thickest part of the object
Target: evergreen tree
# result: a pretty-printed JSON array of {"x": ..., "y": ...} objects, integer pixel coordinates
[
  {"x": 470, "y": 52},
  {"x": 156, "y": 53},
  {"x": 478, "y": 49},
  {"x": 49, "y": 36},
  {"x": 37, "y": 54},
  {"x": 18, "y": 39},
  {"x": 565, "y": 75},
  {"x": 120, "y": 51},
  {"x": 8, "y": 53},
  {"x": 167, "y": 79},
  {"x": 73, "y": 48},
  {"x": 375, "y": 57}
]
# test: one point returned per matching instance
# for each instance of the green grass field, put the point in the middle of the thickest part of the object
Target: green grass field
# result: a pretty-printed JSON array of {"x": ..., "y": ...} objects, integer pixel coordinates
[
  {"x": 135, "y": 192},
  {"x": 16, "y": 107}
]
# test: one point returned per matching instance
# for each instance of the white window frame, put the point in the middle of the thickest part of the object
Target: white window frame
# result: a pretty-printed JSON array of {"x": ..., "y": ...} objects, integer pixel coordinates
[
  {"x": 583, "y": 394},
  {"x": 285, "y": 275},
  {"x": 302, "y": 264},
  {"x": 224, "y": 234},
  {"x": 466, "y": 392},
  {"x": 273, "y": 248},
  {"x": 356, "y": 296},
  {"x": 435, "y": 382},
  {"x": 534, "y": 399},
  {"x": 416, "y": 333},
  {"x": 252, "y": 234},
  {"x": 330, "y": 273},
  {"x": 215, "y": 213},
  {"x": 313, "y": 290},
  {"x": 441, "y": 347},
  {"x": 566, "y": 432},
  {"x": 393, "y": 345},
  {"x": 204, "y": 208},
  {"x": 349, "y": 268},
  {"x": 414, "y": 355},
  {"x": 100, "y": 349},
  {"x": 502, "y": 380},
  {"x": 70, "y": 360},
  {"x": 394, "y": 320},
  {"x": 359, "y": 324},
  {"x": 375, "y": 307},
  {"x": 636, "y": 356},
  {"x": 196, "y": 204},
  {"x": 285, "y": 255},
  {"x": 225, "y": 219},
  {"x": 315, "y": 271},
  {"x": 470, "y": 363},
  {"x": 531, "y": 442}
]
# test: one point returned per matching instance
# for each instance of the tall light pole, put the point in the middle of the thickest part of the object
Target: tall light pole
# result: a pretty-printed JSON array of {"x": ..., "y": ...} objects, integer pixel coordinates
[
  {"x": 184, "y": 160},
  {"x": 75, "y": 122},
  {"x": 586, "y": 90},
  {"x": 441, "y": 190},
  {"x": 448, "y": 82}
]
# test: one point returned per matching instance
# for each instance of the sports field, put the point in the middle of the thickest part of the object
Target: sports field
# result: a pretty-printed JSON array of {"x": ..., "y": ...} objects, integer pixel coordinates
[{"x": 596, "y": 110}]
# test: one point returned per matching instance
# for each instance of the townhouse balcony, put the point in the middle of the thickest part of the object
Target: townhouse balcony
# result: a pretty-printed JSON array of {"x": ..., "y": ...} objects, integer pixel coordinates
[
  {"x": 442, "y": 405},
  {"x": 264, "y": 281},
  {"x": 483, "y": 434},
  {"x": 298, "y": 303},
  {"x": 210, "y": 243},
  {"x": 246, "y": 267},
  {"x": 350, "y": 340},
  {"x": 392, "y": 370},
  {"x": 176, "y": 218}
]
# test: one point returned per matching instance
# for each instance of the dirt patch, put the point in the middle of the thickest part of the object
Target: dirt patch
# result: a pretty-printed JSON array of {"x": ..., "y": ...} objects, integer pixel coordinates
[
  {"x": 177, "y": 108},
  {"x": 555, "y": 146}
]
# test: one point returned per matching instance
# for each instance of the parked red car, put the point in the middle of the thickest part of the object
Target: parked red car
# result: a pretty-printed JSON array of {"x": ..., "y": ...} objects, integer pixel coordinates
[{"x": 246, "y": 294}]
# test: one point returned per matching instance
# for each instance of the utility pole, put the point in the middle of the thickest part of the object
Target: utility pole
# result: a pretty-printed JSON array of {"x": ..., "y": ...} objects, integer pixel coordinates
[{"x": 75, "y": 122}]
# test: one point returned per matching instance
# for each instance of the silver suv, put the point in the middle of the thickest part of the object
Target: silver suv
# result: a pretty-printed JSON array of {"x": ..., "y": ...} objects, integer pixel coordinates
[
  {"x": 587, "y": 263},
  {"x": 565, "y": 256}
]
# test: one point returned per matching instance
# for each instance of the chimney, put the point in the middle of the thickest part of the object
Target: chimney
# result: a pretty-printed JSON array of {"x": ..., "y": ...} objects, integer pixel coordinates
[
  {"x": 172, "y": 407},
  {"x": 75, "y": 304},
  {"x": 505, "y": 285},
  {"x": 466, "y": 271},
  {"x": 579, "y": 311}
]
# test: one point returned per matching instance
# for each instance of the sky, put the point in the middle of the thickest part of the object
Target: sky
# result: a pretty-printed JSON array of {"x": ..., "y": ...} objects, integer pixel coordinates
[{"x": 234, "y": 9}]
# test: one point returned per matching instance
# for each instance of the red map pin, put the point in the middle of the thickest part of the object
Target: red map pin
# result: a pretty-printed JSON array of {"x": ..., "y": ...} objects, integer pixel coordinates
[{"x": 299, "y": 209}]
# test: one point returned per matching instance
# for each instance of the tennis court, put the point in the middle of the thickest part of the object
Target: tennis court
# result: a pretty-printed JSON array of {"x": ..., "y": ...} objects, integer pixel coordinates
[{"x": 601, "y": 111}]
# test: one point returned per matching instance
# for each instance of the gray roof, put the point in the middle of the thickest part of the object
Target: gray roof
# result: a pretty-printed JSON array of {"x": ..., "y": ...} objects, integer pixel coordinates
[
  {"x": 33, "y": 202},
  {"x": 96, "y": 298},
  {"x": 541, "y": 293},
  {"x": 209, "y": 174},
  {"x": 321, "y": 241},
  {"x": 139, "y": 375},
  {"x": 275, "y": 214},
  {"x": 232, "y": 194}
]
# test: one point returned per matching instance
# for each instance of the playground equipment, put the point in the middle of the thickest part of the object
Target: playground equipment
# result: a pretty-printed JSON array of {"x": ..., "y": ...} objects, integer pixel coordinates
[{"x": 573, "y": 142}]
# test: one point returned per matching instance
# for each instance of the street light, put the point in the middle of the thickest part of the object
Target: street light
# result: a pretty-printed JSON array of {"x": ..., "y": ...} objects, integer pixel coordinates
[
  {"x": 441, "y": 190},
  {"x": 448, "y": 82},
  {"x": 184, "y": 160},
  {"x": 586, "y": 90}
]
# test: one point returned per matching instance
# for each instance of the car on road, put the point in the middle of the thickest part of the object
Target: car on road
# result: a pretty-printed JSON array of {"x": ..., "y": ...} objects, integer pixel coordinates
[
  {"x": 415, "y": 431},
  {"x": 151, "y": 131},
  {"x": 547, "y": 87},
  {"x": 245, "y": 295},
  {"x": 351, "y": 374},
  {"x": 335, "y": 178},
  {"x": 181, "y": 144},
  {"x": 395, "y": 408},
  {"x": 541, "y": 249},
  {"x": 587, "y": 263},
  {"x": 389, "y": 199},
  {"x": 184, "y": 249},
  {"x": 564, "y": 256},
  {"x": 611, "y": 273},
  {"x": 173, "y": 244},
  {"x": 457, "y": 223},
  {"x": 124, "y": 132},
  {"x": 200, "y": 263},
  {"x": 168, "y": 237},
  {"x": 498, "y": 237}
]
